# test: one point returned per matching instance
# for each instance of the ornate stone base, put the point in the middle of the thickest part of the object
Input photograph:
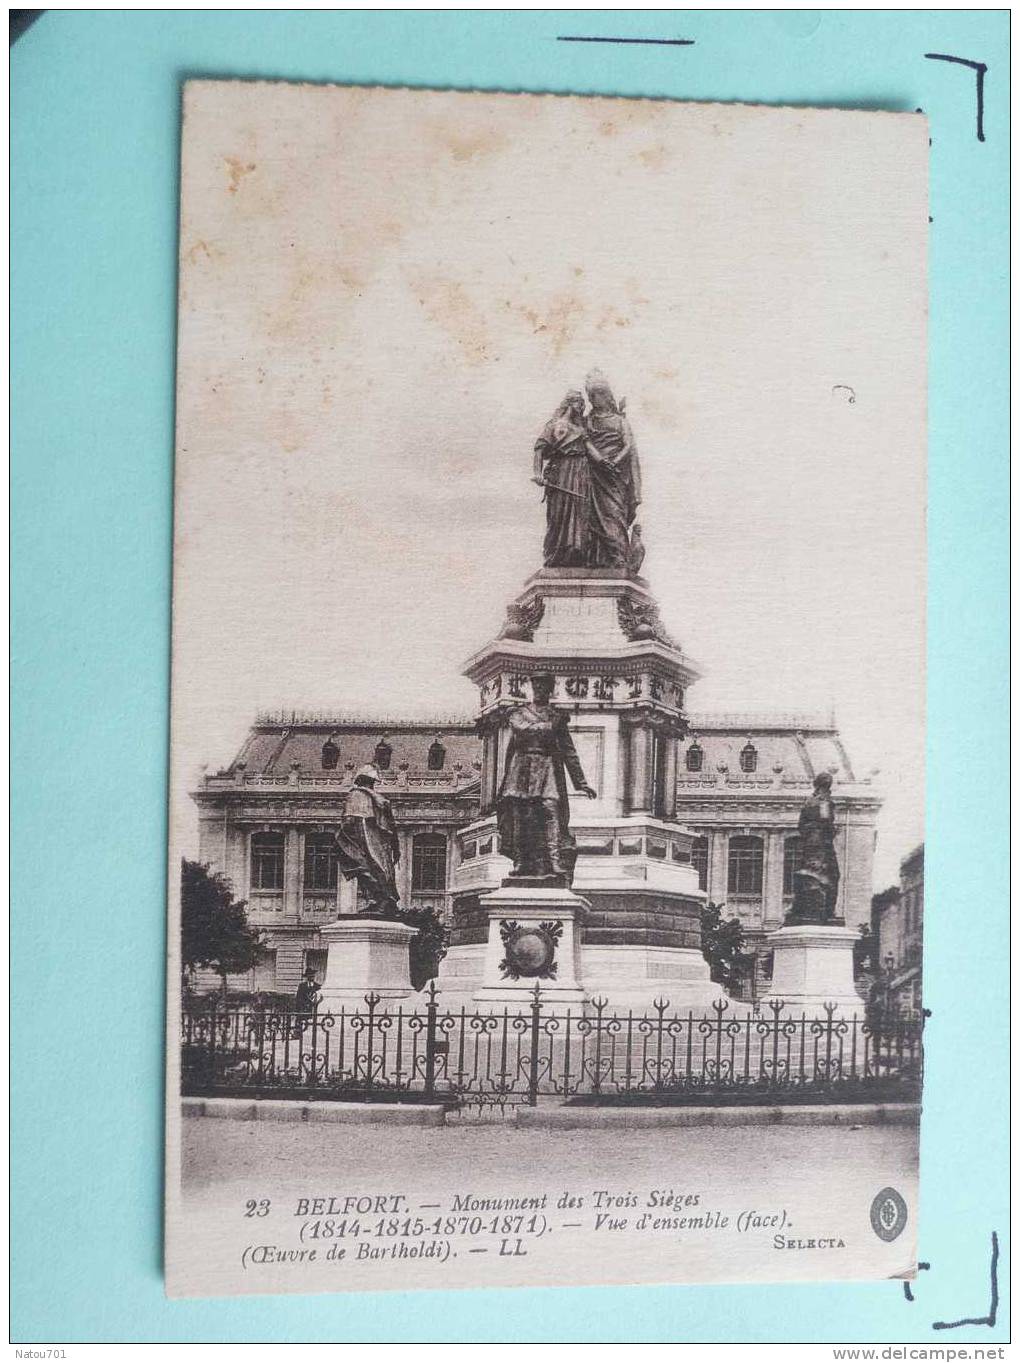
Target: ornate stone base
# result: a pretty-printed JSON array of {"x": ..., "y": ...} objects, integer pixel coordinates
[
  {"x": 531, "y": 938},
  {"x": 366, "y": 956},
  {"x": 813, "y": 964}
]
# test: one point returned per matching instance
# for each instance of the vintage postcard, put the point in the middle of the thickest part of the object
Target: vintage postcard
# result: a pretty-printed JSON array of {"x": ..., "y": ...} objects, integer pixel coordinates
[{"x": 547, "y": 809}]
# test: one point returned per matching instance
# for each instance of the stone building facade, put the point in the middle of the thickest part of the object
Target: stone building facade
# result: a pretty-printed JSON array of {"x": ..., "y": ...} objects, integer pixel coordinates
[
  {"x": 267, "y": 820},
  {"x": 898, "y": 918}
]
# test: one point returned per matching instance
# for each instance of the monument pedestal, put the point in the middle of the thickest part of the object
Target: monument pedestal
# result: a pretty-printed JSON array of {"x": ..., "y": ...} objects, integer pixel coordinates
[
  {"x": 366, "y": 956},
  {"x": 531, "y": 936},
  {"x": 622, "y": 679},
  {"x": 634, "y": 977},
  {"x": 813, "y": 964}
]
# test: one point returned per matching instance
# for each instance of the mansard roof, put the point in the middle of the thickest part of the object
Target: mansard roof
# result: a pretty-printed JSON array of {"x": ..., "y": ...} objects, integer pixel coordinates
[
  {"x": 285, "y": 741},
  {"x": 792, "y": 746}
]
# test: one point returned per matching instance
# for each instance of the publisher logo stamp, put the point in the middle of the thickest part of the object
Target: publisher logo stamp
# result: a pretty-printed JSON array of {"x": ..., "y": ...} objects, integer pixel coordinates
[{"x": 888, "y": 1214}]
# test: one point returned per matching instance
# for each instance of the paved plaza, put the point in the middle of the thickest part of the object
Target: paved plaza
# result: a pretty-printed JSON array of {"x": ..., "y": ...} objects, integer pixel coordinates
[{"x": 218, "y": 1153}]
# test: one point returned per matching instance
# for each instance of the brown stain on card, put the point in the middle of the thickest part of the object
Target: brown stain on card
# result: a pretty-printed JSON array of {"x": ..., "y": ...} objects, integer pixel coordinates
[
  {"x": 201, "y": 250},
  {"x": 291, "y": 318},
  {"x": 466, "y": 145},
  {"x": 237, "y": 169},
  {"x": 448, "y": 303},
  {"x": 629, "y": 114},
  {"x": 480, "y": 144},
  {"x": 654, "y": 157},
  {"x": 558, "y": 322}
]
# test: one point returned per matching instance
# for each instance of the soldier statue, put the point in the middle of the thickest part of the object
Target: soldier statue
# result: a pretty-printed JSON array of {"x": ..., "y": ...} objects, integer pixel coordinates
[{"x": 533, "y": 805}]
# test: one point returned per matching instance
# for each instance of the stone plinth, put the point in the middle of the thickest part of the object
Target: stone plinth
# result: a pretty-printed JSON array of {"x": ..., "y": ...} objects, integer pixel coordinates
[
  {"x": 365, "y": 956},
  {"x": 641, "y": 936},
  {"x": 813, "y": 964},
  {"x": 526, "y": 929},
  {"x": 636, "y": 977}
]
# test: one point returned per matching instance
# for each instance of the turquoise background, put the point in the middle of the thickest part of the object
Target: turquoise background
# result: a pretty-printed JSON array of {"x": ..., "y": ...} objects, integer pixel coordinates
[{"x": 95, "y": 158}]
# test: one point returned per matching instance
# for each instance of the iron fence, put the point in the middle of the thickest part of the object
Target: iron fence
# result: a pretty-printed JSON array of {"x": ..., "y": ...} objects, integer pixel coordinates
[{"x": 596, "y": 1055}]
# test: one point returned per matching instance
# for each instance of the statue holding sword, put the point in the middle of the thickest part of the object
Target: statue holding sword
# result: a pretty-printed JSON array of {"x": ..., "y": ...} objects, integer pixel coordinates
[
  {"x": 587, "y": 466},
  {"x": 561, "y": 468}
]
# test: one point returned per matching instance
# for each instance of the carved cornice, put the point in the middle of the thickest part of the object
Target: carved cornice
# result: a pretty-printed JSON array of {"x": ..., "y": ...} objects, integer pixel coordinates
[
  {"x": 612, "y": 684},
  {"x": 734, "y": 808},
  {"x": 669, "y": 723},
  {"x": 247, "y": 806}
]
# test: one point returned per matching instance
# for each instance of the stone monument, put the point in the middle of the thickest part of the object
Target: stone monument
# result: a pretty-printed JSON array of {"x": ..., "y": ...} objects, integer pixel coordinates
[
  {"x": 534, "y": 917},
  {"x": 813, "y": 952},
  {"x": 589, "y": 892},
  {"x": 367, "y": 951}
]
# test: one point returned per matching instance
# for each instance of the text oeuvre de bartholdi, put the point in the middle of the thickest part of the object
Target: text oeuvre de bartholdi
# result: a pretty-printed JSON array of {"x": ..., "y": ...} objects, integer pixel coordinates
[{"x": 365, "y": 1227}]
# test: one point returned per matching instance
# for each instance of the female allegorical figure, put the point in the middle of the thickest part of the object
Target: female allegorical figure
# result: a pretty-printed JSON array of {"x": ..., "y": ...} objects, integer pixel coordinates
[
  {"x": 615, "y": 477},
  {"x": 368, "y": 847},
  {"x": 816, "y": 881},
  {"x": 562, "y": 468}
]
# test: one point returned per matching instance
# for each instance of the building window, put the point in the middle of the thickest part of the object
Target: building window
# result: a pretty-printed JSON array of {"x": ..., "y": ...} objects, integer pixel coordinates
[
  {"x": 745, "y": 868},
  {"x": 437, "y": 756},
  {"x": 383, "y": 755},
  {"x": 263, "y": 977},
  {"x": 699, "y": 860},
  {"x": 330, "y": 755},
  {"x": 695, "y": 757},
  {"x": 320, "y": 861},
  {"x": 428, "y": 862},
  {"x": 267, "y": 861},
  {"x": 791, "y": 862},
  {"x": 748, "y": 757}
]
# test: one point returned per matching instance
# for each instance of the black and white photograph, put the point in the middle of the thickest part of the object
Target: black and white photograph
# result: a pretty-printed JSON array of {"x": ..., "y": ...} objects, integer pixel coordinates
[{"x": 546, "y": 851}]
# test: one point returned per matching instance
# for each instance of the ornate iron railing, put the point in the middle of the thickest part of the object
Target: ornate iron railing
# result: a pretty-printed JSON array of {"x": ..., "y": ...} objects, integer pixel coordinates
[{"x": 600, "y": 1054}]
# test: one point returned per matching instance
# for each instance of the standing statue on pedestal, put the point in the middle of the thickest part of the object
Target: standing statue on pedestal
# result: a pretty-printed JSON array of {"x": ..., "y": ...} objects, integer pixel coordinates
[
  {"x": 588, "y": 466},
  {"x": 533, "y": 805},
  {"x": 816, "y": 880},
  {"x": 368, "y": 848},
  {"x": 615, "y": 476},
  {"x": 561, "y": 467}
]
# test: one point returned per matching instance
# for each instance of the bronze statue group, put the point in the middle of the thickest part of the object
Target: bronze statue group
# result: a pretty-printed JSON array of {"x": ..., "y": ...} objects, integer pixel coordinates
[{"x": 587, "y": 462}]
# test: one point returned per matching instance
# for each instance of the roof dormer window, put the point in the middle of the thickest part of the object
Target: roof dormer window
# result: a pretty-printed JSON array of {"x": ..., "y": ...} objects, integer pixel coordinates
[
  {"x": 330, "y": 755},
  {"x": 748, "y": 757},
  {"x": 436, "y": 756},
  {"x": 383, "y": 754},
  {"x": 695, "y": 759}
]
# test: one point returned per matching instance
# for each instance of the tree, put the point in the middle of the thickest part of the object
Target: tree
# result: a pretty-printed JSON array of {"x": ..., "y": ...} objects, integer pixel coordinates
[
  {"x": 429, "y": 947},
  {"x": 722, "y": 942},
  {"x": 214, "y": 925}
]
